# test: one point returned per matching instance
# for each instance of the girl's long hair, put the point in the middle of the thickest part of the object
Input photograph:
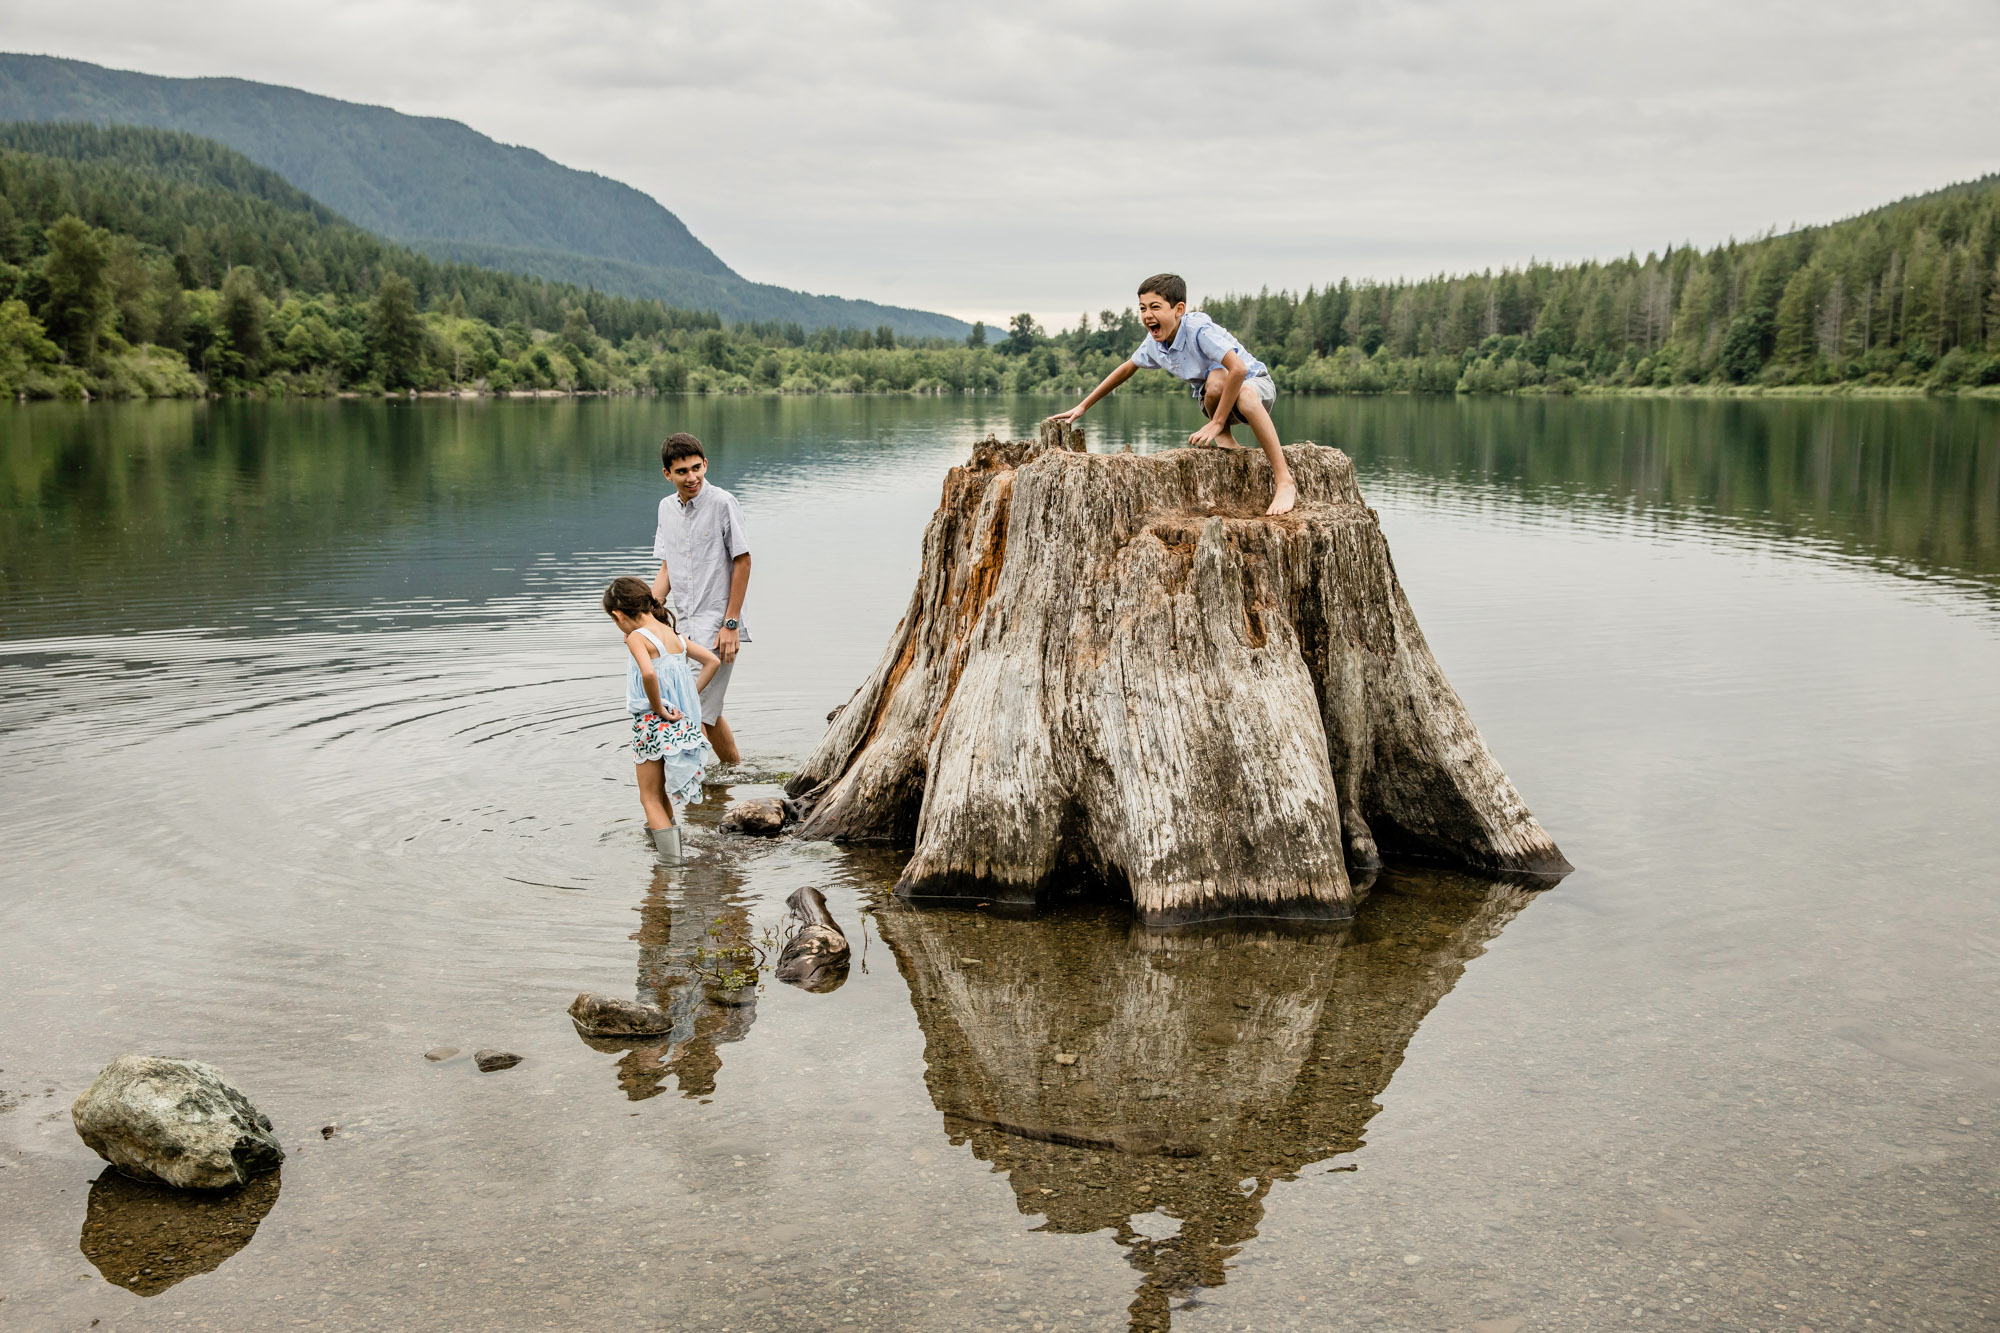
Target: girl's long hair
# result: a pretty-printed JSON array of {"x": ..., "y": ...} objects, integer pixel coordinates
[{"x": 634, "y": 597}]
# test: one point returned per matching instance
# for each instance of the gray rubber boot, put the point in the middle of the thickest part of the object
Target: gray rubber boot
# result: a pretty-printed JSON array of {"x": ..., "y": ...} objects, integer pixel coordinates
[{"x": 667, "y": 842}]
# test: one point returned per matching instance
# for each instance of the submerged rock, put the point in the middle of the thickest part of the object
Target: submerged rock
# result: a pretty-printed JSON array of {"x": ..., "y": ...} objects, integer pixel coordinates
[
  {"x": 602, "y": 1016},
  {"x": 437, "y": 1053},
  {"x": 490, "y": 1060},
  {"x": 178, "y": 1122},
  {"x": 763, "y": 818}
]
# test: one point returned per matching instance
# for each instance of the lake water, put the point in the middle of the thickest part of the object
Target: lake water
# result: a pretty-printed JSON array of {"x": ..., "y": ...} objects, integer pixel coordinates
[{"x": 309, "y": 732}]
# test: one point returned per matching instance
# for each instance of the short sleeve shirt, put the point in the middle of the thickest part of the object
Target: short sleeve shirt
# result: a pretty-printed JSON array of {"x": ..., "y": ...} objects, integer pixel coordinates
[
  {"x": 1198, "y": 347},
  {"x": 699, "y": 542}
]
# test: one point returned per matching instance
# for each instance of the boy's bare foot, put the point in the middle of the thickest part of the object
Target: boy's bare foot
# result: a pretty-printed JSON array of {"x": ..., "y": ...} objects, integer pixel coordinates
[{"x": 1287, "y": 495}]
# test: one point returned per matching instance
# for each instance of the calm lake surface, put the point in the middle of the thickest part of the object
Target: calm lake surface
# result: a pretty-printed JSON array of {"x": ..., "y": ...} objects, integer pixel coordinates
[{"x": 309, "y": 763}]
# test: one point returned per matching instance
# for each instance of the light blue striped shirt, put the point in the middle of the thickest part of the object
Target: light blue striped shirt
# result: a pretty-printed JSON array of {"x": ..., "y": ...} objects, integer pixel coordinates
[{"x": 1198, "y": 347}]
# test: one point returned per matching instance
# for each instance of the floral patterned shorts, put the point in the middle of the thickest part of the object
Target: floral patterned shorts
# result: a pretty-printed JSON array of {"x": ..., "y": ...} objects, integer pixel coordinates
[
  {"x": 653, "y": 737},
  {"x": 679, "y": 746}
]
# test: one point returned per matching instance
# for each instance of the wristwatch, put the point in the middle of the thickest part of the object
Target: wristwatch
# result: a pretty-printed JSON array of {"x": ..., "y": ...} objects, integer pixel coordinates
[{"x": 729, "y": 623}]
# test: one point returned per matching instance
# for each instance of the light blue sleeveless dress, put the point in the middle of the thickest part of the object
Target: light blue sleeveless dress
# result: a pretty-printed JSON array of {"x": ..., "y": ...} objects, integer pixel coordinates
[{"x": 679, "y": 744}]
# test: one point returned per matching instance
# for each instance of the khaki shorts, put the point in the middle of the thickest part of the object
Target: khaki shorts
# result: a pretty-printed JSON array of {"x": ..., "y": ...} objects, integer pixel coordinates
[
  {"x": 1263, "y": 386},
  {"x": 712, "y": 693}
]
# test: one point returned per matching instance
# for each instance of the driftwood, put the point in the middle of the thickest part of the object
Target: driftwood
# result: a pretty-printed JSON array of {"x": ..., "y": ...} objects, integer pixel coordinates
[
  {"x": 1116, "y": 667},
  {"x": 815, "y": 957}
]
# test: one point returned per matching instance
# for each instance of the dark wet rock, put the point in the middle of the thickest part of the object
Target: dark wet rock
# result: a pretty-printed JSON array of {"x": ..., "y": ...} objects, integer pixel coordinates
[
  {"x": 436, "y": 1053},
  {"x": 328, "y": 1131},
  {"x": 145, "y": 1237},
  {"x": 490, "y": 1060},
  {"x": 763, "y": 818},
  {"x": 178, "y": 1122},
  {"x": 815, "y": 957},
  {"x": 602, "y": 1016}
]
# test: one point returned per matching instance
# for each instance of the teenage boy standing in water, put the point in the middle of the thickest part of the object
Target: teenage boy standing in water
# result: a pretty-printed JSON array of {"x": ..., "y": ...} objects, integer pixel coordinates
[
  {"x": 704, "y": 556},
  {"x": 1231, "y": 385}
]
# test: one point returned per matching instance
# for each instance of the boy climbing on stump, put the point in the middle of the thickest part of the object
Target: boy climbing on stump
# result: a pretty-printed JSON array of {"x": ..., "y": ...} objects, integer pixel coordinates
[{"x": 1231, "y": 385}]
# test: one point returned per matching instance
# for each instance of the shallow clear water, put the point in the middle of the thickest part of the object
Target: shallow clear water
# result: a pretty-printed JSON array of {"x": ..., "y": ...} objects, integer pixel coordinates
[{"x": 309, "y": 737}]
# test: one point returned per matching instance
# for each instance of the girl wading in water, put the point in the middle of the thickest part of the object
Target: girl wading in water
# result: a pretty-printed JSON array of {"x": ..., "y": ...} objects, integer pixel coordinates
[{"x": 665, "y": 702}]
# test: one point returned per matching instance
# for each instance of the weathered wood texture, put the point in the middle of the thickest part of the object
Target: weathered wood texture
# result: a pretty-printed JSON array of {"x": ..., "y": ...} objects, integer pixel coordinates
[
  {"x": 815, "y": 956},
  {"x": 1115, "y": 665}
]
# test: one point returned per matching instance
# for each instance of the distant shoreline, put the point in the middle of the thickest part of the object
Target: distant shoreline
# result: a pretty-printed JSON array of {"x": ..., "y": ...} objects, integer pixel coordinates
[{"x": 1987, "y": 391}]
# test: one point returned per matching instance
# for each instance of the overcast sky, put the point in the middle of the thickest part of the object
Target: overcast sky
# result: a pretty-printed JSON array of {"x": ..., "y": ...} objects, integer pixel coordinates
[{"x": 984, "y": 159}]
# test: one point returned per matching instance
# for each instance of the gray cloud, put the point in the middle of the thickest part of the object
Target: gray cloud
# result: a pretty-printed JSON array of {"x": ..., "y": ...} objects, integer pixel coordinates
[{"x": 1043, "y": 155}]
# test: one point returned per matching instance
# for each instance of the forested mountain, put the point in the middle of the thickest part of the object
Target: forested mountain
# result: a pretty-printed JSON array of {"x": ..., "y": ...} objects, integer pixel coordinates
[
  {"x": 735, "y": 300},
  {"x": 129, "y": 255},
  {"x": 440, "y": 186},
  {"x": 137, "y": 261},
  {"x": 1905, "y": 294}
]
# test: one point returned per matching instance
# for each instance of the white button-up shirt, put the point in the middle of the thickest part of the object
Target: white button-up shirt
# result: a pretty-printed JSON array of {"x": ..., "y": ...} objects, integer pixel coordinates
[{"x": 699, "y": 542}]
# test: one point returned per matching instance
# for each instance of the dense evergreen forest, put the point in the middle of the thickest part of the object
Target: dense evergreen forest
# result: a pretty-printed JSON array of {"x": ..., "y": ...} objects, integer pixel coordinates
[
  {"x": 145, "y": 262},
  {"x": 1905, "y": 295},
  {"x": 441, "y": 188}
]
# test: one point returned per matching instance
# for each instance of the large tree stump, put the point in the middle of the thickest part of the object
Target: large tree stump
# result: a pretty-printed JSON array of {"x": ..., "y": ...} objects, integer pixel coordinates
[{"x": 1115, "y": 666}]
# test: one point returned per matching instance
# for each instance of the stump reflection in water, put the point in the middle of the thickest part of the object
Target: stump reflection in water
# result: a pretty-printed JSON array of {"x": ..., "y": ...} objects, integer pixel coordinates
[
  {"x": 1209, "y": 1063},
  {"x": 699, "y": 906},
  {"x": 145, "y": 1237}
]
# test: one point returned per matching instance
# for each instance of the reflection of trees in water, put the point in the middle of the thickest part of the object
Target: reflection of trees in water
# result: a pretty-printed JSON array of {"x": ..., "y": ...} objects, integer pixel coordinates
[
  {"x": 1910, "y": 485},
  {"x": 178, "y": 493},
  {"x": 1208, "y": 1064},
  {"x": 699, "y": 906},
  {"x": 146, "y": 1237}
]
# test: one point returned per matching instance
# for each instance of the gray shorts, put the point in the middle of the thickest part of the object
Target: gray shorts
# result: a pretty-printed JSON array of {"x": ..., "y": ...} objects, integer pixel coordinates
[
  {"x": 1263, "y": 386},
  {"x": 711, "y": 694}
]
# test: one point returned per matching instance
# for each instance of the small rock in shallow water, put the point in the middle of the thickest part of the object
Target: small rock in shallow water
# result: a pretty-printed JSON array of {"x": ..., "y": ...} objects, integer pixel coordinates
[
  {"x": 1065, "y": 1058},
  {"x": 328, "y": 1131},
  {"x": 440, "y": 1052},
  {"x": 175, "y": 1121},
  {"x": 490, "y": 1060},
  {"x": 603, "y": 1016},
  {"x": 763, "y": 818}
]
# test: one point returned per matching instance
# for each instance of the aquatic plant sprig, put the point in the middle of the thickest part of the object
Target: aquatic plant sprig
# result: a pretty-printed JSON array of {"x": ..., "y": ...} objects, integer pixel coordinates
[{"x": 729, "y": 968}]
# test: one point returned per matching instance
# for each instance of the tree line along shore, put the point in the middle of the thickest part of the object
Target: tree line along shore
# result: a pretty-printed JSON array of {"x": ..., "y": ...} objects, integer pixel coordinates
[{"x": 143, "y": 263}]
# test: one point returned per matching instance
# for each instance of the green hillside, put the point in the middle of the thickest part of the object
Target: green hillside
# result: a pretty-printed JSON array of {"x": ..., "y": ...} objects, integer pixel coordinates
[
  {"x": 732, "y": 298},
  {"x": 437, "y": 185},
  {"x": 129, "y": 256},
  {"x": 1904, "y": 295},
  {"x": 137, "y": 262}
]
